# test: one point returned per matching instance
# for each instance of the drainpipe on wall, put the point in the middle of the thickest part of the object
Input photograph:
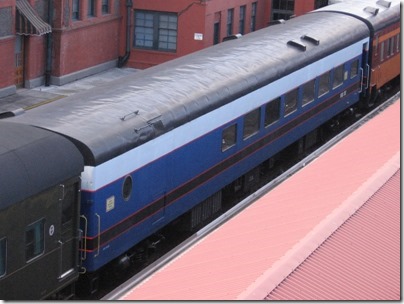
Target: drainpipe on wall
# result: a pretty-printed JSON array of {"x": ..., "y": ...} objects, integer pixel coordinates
[
  {"x": 48, "y": 66},
  {"x": 122, "y": 60}
]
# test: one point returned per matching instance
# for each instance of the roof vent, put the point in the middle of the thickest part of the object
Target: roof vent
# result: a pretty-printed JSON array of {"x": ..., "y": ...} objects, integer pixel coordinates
[
  {"x": 232, "y": 37},
  {"x": 297, "y": 44},
  {"x": 311, "y": 39},
  {"x": 371, "y": 10},
  {"x": 279, "y": 21},
  {"x": 384, "y": 3}
]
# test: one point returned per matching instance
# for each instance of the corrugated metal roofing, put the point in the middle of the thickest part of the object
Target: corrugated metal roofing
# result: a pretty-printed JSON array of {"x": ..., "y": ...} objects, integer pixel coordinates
[
  {"x": 251, "y": 254},
  {"x": 360, "y": 261}
]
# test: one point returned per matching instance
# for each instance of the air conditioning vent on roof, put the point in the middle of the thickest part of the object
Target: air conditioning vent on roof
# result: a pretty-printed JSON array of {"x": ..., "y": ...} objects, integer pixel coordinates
[
  {"x": 384, "y": 3},
  {"x": 297, "y": 44},
  {"x": 371, "y": 10},
  {"x": 311, "y": 39}
]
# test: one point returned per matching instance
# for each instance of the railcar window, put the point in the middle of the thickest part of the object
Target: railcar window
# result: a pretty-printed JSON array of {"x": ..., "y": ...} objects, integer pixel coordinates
[
  {"x": 324, "y": 84},
  {"x": 308, "y": 92},
  {"x": 3, "y": 252},
  {"x": 291, "y": 101},
  {"x": 390, "y": 47},
  {"x": 251, "y": 123},
  {"x": 354, "y": 68},
  {"x": 382, "y": 51},
  {"x": 34, "y": 240},
  {"x": 272, "y": 111},
  {"x": 339, "y": 76},
  {"x": 229, "y": 137},
  {"x": 398, "y": 43}
]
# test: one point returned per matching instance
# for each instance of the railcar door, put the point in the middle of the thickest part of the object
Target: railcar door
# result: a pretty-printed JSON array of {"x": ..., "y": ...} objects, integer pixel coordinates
[{"x": 69, "y": 229}]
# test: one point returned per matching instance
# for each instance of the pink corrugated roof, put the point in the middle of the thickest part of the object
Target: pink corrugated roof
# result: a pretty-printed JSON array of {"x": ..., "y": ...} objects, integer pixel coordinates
[
  {"x": 249, "y": 256},
  {"x": 360, "y": 261}
]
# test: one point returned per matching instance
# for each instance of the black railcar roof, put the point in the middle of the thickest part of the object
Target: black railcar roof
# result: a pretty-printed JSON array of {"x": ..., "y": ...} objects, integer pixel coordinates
[
  {"x": 33, "y": 160},
  {"x": 102, "y": 121}
]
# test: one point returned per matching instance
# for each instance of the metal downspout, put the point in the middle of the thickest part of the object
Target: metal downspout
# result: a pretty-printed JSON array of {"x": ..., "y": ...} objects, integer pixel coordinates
[
  {"x": 48, "y": 66},
  {"x": 122, "y": 60}
]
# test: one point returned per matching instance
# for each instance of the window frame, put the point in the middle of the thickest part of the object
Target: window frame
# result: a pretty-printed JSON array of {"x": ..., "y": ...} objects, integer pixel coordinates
[
  {"x": 241, "y": 25},
  {"x": 149, "y": 27},
  {"x": 37, "y": 241},
  {"x": 269, "y": 120},
  {"x": 232, "y": 131},
  {"x": 338, "y": 76},
  {"x": 105, "y": 9},
  {"x": 352, "y": 65},
  {"x": 229, "y": 22},
  {"x": 294, "y": 93},
  {"x": 252, "y": 123},
  {"x": 321, "y": 84},
  {"x": 91, "y": 8},
  {"x": 75, "y": 15},
  {"x": 313, "y": 95}
]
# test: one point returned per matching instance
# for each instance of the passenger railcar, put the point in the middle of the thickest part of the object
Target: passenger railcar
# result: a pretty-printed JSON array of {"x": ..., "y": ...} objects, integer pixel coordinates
[
  {"x": 167, "y": 140},
  {"x": 384, "y": 21},
  {"x": 39, "y": 209}
]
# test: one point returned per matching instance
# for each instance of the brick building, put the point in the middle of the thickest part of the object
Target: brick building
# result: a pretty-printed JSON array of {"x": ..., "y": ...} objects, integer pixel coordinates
[{"x": 56, "y": 42}]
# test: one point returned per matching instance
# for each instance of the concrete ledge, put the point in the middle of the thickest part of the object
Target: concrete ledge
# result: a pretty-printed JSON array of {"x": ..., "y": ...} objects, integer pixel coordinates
[
  {"x": 83, "y": 73},
  {"x": 33, "y": 83},
  {"x": 8, "y": 91}
]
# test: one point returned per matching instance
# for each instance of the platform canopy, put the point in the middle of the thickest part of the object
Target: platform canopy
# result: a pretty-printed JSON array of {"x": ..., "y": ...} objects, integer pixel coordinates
[{"x": 28, "y": 22}]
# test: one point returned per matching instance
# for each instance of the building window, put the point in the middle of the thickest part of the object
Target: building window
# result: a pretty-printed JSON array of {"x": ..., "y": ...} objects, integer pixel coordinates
[
  {"x": 90, "y": 8},
  {"x": 229, "y": 137},
  {"x": 320, "y": 3},
  {"x": 291, "y": 101},
  {"x": 251, "y": 123},
  {"x": 241, "y": 23},
  {"x": 308, "y": 92},
  {"x": 105, "y": 7},
  {"x": 156, "y": 30},
  {"x": 272, "y": 110},
  {"x": 253, "y": 16},
  {"x": 34, "y": 240},
  {"x": 3, "y": 257},
  {"x": 76, "y": 10},
  {"x": 282, "y": 9},
  {"x": 229, "y": 24}
]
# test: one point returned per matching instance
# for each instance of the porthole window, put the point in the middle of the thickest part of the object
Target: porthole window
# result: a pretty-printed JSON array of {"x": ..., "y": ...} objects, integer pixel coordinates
[{"x": 127, "y": 188}]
